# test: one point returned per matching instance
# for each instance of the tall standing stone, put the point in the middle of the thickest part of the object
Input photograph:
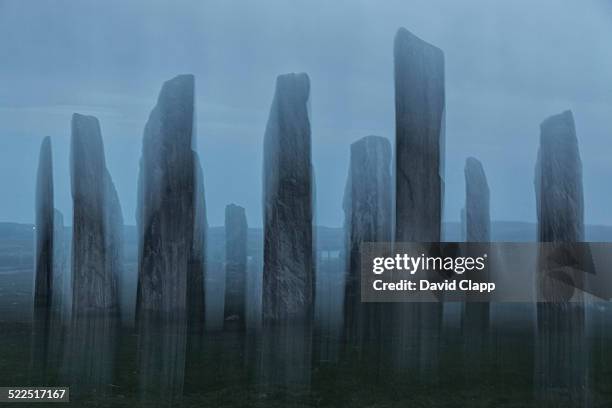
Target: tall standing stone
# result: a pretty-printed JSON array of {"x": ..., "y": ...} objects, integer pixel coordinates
[
  {"x": 288, "y": 208},
  {"x": 419, "y": 168},
  {"x": 97, "y": 256},
  {"x": 367, "y": 218},
  {"x": 61, "y": 276},
  {"x": 419, "y": 138},
  {"x": 43, "y": 276},
  {"x": 475, "y": 316},
  {"x": 477, "y": 217},
  {"x": 172, "y": 227},
  {"x": 62, "y": 293},
  {"x": 561, "y": 353},
  {"x": 236, "y": 229},
  {"x": 289, "y": 268}
]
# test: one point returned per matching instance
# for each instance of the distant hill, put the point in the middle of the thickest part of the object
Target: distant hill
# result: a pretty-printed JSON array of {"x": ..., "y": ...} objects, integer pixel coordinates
[
  {"x": 16, "y": 232},
  {"x": 17, "y": 240}
]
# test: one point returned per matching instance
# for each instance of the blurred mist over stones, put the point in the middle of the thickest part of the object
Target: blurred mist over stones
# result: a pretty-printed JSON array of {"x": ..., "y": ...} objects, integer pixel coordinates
[
  {"x": 367, "y": 218},
  {"x": 172, "y": 226},
  {"x": 235, "y": 267},
  {"x": 476, "y": 315},
  {"x": 44, "y": 261},
  {"x": 561, "y": 358},
  {"x": 419, "y": 184},
  {"x": 97, "y": 259},
  {"x": 289, "y": 266}
]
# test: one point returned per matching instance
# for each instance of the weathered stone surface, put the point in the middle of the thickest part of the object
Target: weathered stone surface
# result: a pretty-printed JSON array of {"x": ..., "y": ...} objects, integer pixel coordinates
[
  {"x": 97, "y": 224},
  {"x": 288, "y": 292},
  {"x": 478, "y": 219},
  {"x": 43, "y": 275},
  {"x": 170, "y": 213},
  {"x": 172, "y": 226},
  {"x": 560, "y": 202},
  {"x": 236, "y": 229},
  {"x": 367, "y": 218},
  {"x": 97, "y": 256},
  {"x": 419, "y": 169},
  {"x": 475, "y": 317},
  {"x": 43, "y": 281},
  {"x": 62, "y": 292},
  {"x": 562, "y": 353},
  {"x": 289, "y": 267},
  {"x": 419, "y": 140}
]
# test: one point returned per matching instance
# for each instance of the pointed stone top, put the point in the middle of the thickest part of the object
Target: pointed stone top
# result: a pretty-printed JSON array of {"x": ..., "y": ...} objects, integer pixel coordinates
[
  {"x": 297, "y": 84},
  {"x": 87, "y": 161},
  {"x": 44, "y": 158},
  {"x": 373, "y": 139},
  {"x": 406, "y": 40},
  {"x": 558, "y": 127},
  {"x": 473, "y": 164},
  {"x": 373, "y": 142},
  {"x": 85, "y": 120},
  {"x": 233, "y": 207},
  {"x": 46, "y": 144},
  {"x": 235, "y": 213},
  {"x": 181, "y": 85},
  {"x": 86, "y": 129},
  {"x": 475, "y": 172}
]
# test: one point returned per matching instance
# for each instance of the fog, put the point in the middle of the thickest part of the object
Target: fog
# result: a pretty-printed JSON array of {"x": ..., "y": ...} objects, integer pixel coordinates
[{"x": 509, "y": 65}]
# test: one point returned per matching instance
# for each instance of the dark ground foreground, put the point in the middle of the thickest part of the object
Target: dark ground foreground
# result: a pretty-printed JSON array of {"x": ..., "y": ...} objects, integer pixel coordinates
[{"x": 216, "y": 377}]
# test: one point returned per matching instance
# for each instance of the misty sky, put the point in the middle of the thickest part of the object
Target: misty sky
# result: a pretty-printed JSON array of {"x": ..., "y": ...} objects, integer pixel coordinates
[{"x": 509, "y": 65}]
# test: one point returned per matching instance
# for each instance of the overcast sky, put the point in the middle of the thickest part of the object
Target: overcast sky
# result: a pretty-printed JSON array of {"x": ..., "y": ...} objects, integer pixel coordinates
[{"x": 509, "y": 65}]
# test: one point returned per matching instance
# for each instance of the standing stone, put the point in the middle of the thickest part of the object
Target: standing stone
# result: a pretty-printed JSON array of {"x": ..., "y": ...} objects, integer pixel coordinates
[
  {"x": 289, "y": 269},
  {"x": 43, "y": 276},
  {"x": 475, "y": 317},
  {"x": 419, "y": 151},
  {"x": 478, "y": 220},
  {"x": 419, "y": 139},
  {"x": 561, "y": 353},
  {"x": 172, "y": 228},
  {"x": 97, "y": 256},
  {"x": 367, "y": 218},
  {"x": 61, "y": 277},
  {"x": 288, "y": 243},
  {"x": 235, "y": 267},
  {"x": 62, "y": 293}
]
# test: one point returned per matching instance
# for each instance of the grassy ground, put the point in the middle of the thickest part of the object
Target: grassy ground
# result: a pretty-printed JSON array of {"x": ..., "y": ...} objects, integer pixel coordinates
[{"x": 215, "y": 377}]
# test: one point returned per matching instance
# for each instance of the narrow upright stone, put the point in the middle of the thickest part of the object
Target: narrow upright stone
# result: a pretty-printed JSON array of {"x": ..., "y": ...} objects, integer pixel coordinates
[
  {"x": 288, "y": 292},
  {"x": 97, "y": 256},
  {"x": 97, "y": 224},
  {"x": 419, "y": 138},
  {"x": 419, "y": 168},
  {"x": 478, "y": 219},
  {"x": 61, "y": 277},
  {"x": 475, "y": 317},
  {"x": 43, "y": 282},
  {"x": 61, "y": 298},
  {"x": 367, "y": 218},
  {"x": 289, "y": 266},
  {"x": 235, "y": 267},
  {"x": 559, "y": 182},
  {"x": 562, "y": 352},
  {"x": 171, "y": 217},
  {"x": 43, "y": 276}
]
